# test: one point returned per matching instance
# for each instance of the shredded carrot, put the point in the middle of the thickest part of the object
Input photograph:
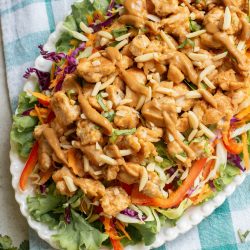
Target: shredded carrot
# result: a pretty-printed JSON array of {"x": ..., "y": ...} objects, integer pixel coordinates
[
  {"x": 39, "y": 114},
  {"x": 89, "y": 19},
  {"x": 207, "y": 168},
  {"x": 74, "y": 42},
  {"x": 40, "y": 96},
  {"x": 110, "y": 230},
  {"x": 204, "y": 194},
  {"x": 245, "y": 150},
  {"x": 43, "y": 112},
  {"x": 52, "y": 72},
  {"x": 44, "y": 176},
  {"x": 121, "y": 227},
  {"x": 243, "y": 113},
  {"x": 98, "y": 15},
  {"x": 91, "y": 40}
]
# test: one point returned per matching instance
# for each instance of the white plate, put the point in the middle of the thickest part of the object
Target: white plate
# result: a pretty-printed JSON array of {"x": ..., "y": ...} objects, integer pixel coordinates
[{"x": 190, "y": 218}]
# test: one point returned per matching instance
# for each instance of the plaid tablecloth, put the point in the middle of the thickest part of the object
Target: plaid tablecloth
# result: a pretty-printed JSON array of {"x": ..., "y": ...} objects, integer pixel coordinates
[{"x": 28, "y": 23}]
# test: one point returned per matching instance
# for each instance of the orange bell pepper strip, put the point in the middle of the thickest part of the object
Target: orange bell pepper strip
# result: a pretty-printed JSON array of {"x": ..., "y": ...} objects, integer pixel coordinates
[
  {"x": 231, "y": 145},
  {"x": 110, "y": 230},
  {"x": 176, "y": 197},
  {"x": 29, "y": 166}
]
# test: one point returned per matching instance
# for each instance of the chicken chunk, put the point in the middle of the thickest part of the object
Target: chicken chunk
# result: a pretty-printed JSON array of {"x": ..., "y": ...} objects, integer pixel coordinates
[
  {"x": 111, "y": 172},
  {"x": 65, "y": 112},
  {"x": 115, "y": 94},
  {"x": 114, "y": 201},
  {"x": 58, "y": 178},
  {"x": 63, "y": 189},
  {"x": 174, "y": 74},
  {"x": 94, "y": 70},
  {"x": 165, "y": 7},
  {"x": 182, "y": 124},
  {"x": 152, "y": 187},
  {"x": 139, "y": 45},
  {"x": 126, "y": 117},
  {"x": 112, "y": 151},
  {"x": 178, "y": 24},
  {"x": 38, "y": 131},
  {"x": 130, "y": 173},
  {"x": 92, "y": 154},
  {"x": 88, "y": 133},
  {"x": 147, "y": 149},
  {"x": 213, "y": 19},
  {"x": 92, "y": 188},
  {"x": 151, "y": 135},
  {"x": 211, "y": 116},
  {"x": 227, "y": 80},
  {"x": 44, "y": 154},
  {"x": 132, "y": 142},
  {"x": 174, "y": 148}
]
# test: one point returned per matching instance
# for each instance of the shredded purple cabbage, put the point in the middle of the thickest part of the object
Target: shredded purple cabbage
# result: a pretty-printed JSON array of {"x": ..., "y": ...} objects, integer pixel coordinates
[
  {"x": 235, "y": 160},
  {"x": 233, "y": 120},
  {"x": 51, "y": 56},
  {"x": 67, "y": 215},
  {"x": 43, "y": 77},
  {"x": 42, "y": 188},
  {"x": 132, "y": 213},
  {"x": 171, "y": 171},
  {"x": 110, "y": 7},
  {"x": 27, "y": 112},
  {"x": 107, "y": 22},
  {"x": 211, "y": 184}
]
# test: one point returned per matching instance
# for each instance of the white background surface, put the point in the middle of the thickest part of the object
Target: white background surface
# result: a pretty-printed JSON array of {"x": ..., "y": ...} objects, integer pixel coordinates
[{"x": 12, "y": 222}]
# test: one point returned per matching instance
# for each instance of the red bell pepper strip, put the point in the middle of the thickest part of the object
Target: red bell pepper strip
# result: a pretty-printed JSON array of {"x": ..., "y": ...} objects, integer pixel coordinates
[
  {"x": 29, "y": 166},
  {"x": 110, "y": 230},
  {"x": 231, "y": 145},
  {"x": 176, "y": 197}
]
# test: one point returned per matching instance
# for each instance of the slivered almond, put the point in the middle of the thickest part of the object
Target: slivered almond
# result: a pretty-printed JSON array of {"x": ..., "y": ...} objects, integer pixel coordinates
[{"x": 193, "y": 120}]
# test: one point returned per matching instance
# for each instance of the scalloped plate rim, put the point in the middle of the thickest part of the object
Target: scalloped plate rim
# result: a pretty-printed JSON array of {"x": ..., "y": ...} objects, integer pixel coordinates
[{"x": 191, "y": 217}]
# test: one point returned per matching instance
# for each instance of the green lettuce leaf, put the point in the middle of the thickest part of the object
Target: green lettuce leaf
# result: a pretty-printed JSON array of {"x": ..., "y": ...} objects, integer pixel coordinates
[
  {"x": 161, "y": 150},
  {"x": 227, "y": 174},
  {"x": 79, "y": 234},
  {"x": 42, "y": 207},
  {"x": 79, "y": 13},
  {"x": 175, "y": 213},
  {"x": 147, "y": 231},
  {"x": 22, "y": 129}
]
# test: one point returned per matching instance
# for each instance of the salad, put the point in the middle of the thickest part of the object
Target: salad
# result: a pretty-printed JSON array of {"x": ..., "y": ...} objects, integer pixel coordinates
[{"x": 144, "y": 113}]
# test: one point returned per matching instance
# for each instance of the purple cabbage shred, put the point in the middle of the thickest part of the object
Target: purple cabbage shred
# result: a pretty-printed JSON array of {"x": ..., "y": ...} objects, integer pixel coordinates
[
  {"x": 132, "y": 213},
  {"x": 67, "y": 215},
  {"x": 42, "y": 188},
  {"x": 43, "y": 77},
  {"x": 51, "y": 56},
  {"x": 107, "y": 22},
  {"x": 233, "y": 120},
  {"x": 27, "y": 112},
  {"x": 110, "y": 7},
  {"x": 235, "y": 160}
]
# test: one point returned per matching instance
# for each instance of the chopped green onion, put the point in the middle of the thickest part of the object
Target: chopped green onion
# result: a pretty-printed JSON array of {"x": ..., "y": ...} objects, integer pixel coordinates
[
  {"x": 117, "y": 132},
  {"x": 119, "y": 32},
  {"x": 185, "y": 43},
  {"x": 109, "y": 115},
  {"x": 101, "y": 103},
  {"x": 194, "y": 26},
  {"x": 190, "y": 84}
]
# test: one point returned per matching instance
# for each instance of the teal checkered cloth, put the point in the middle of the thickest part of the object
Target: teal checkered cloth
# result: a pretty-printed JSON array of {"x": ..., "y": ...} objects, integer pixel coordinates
[{"x": 28, "y": 23}]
